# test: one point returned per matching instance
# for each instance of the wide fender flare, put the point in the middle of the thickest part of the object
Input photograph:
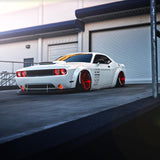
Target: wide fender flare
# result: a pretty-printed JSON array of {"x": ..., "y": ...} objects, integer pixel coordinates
[
  {"x": 116, "y": 76},
  {"x": 76, "y": 74}
]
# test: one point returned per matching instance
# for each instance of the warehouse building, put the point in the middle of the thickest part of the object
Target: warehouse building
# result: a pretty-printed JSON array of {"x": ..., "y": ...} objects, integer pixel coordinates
[{"x": 119, "y": 29}]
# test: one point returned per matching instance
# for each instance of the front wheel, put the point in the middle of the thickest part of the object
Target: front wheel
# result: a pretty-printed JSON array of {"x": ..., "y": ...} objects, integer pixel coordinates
[
  {"x": 120, "y": 80},
  {"x": 84, "y": 81}
]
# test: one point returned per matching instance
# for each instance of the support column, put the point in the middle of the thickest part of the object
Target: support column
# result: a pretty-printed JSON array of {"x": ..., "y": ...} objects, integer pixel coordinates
[
  {"x": 154, "y": 49},
  {"x": 40, "y": 49},
  {"x": 80, "y": 42}
]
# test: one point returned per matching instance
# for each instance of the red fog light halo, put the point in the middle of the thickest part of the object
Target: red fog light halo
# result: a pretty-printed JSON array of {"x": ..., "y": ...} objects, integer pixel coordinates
[
  {"x": 22, "y": 88},
  {"x": 60, "y": 86}
]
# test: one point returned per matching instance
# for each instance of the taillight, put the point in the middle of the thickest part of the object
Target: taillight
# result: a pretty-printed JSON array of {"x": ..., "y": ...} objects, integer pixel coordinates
[
  {"x": 60, "y": 71},
  {"x": 24, "y": 73},
  {"x": 18, "y": 73}
]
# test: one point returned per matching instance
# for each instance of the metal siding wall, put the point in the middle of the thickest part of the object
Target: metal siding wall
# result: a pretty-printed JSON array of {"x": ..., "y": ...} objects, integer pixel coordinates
[
  {"x": 61, "y": 10},
  {"x": 90, "y": 3},
  {"x": 59, "y": 50},
  {"x": 17, "y": 52},
  {"x": 132, "y": 47}
]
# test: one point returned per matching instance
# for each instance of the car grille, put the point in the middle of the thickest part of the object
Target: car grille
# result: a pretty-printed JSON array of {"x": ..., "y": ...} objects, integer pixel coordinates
[
  {"x": 35, "y": 73},
  {"x": 39, "y": 86}
]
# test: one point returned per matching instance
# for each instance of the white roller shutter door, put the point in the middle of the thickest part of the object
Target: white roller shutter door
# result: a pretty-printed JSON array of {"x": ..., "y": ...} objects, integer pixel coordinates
[
  {"x": 59, "y": 50},
  {"x": 131, "y": 47}
]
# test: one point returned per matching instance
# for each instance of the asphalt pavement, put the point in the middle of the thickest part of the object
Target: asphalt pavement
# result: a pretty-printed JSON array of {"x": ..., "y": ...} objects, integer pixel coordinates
[{"x": 22, "y": 115}]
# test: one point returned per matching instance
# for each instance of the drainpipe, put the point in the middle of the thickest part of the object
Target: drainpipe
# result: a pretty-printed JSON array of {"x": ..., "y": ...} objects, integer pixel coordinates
[{"x": 154, "y": 49}]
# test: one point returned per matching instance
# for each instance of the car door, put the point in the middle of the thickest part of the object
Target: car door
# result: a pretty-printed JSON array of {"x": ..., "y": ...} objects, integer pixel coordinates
[{"x": 106, "y": 70}]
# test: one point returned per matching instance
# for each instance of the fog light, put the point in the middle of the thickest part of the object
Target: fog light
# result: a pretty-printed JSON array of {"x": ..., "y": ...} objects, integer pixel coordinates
[
  {"x": 60, "y": 86},
  {"x": 22, "y": 88}
]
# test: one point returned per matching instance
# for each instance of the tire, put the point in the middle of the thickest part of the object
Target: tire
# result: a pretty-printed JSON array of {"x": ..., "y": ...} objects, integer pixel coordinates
[
  {"x": 84, "y": 81},
  {"x": 120, "y": 80}
]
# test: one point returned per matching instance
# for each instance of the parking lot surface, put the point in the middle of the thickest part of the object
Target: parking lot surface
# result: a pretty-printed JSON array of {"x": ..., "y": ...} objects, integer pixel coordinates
[{"x": 22, "y": 115}]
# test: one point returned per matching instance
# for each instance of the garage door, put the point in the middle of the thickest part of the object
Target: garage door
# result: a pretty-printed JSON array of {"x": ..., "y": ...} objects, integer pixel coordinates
[
  {"x": 59, "y": 50},
  {"x": 131, "y": 47}
]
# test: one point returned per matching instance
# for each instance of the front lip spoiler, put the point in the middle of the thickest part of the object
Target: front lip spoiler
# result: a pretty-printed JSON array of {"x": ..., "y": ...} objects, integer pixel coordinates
[{"x": 55, "y": 91}]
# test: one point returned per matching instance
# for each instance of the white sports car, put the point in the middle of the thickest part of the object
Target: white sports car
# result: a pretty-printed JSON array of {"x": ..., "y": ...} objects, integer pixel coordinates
[{"x": 83, "y": 71}]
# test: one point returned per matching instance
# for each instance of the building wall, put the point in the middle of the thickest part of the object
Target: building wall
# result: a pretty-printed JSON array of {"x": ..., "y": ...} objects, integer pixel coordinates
[
  {"x": 58, "y": 11},
  {"x": 17, "y": 52},
  {"x": 108, "y": 24},
  {"x": 127, "y": 41},
  {"x": 19, "y": 19},
  {"x": 90, "y": 3}
]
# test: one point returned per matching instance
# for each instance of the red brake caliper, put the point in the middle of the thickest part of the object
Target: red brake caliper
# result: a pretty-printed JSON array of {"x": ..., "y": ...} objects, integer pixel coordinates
[
  {"x": 122, "y": 78},
  {"x": 85, "y": 80}
]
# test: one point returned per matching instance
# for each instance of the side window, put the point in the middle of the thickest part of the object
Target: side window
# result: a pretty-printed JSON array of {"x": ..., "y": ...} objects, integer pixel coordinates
[
  {"x": 28, "y": 62},
  {"x": 101, "y": 59}
]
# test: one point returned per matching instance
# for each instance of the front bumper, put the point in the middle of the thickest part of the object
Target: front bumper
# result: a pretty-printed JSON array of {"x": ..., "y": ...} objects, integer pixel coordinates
[{"x": 45, "y": 83}]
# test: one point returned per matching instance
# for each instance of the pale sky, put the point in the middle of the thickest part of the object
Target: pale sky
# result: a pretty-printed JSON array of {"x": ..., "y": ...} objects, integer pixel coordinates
[{"x": 8, "y": 8}]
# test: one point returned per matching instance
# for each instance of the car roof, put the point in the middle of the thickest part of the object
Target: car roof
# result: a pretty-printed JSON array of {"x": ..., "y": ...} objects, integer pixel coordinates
[{"x": 81, "y": 53}]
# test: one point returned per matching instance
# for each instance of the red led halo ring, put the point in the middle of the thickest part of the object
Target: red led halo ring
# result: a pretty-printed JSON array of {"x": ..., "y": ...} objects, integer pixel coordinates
[
  {"x": 60, "y": 72},
  {"x": 18, "y": 73},
  {"x": 24, "y": 73}
]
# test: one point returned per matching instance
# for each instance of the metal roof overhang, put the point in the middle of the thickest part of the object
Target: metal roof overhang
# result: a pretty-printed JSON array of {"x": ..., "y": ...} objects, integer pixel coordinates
[
  {"x": 42, "y": 31},
  {"x": 115, "y": 10}
]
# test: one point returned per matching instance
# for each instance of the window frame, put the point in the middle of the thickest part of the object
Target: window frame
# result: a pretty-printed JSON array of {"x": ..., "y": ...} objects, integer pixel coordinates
[
  {"x": 106, "y": 61},
  {"x": 29, "y": 63}
]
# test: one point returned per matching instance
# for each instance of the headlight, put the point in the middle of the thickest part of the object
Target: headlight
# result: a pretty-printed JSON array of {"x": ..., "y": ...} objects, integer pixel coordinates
[
  {"x": 24, "y": 73},
  {"x": 21, "y": 73},
  {"x": 60, "y": 71},
  {"x": 18, "y": 73},
  {"x": 48, "y": 72}
]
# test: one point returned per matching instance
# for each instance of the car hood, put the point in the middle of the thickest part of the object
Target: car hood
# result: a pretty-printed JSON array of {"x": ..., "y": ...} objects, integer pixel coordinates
[{"x": 56, "y": 65}]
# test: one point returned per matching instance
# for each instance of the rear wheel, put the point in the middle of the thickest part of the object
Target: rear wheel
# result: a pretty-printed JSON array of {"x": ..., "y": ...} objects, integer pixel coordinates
[
  {"x": 120, "y": 80},
  {"x": 84, "y": 81}
]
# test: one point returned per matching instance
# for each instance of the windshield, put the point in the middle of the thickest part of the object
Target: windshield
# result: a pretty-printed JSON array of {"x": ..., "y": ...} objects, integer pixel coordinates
[{"x": 76, "y": 58}]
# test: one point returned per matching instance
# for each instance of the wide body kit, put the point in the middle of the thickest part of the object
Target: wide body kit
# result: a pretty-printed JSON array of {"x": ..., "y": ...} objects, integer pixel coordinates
[{"x": 63, "y": 74}]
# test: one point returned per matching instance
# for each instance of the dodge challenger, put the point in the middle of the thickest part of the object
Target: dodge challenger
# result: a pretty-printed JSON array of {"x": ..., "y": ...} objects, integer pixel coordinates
[{"x": 82, "y": 71}]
